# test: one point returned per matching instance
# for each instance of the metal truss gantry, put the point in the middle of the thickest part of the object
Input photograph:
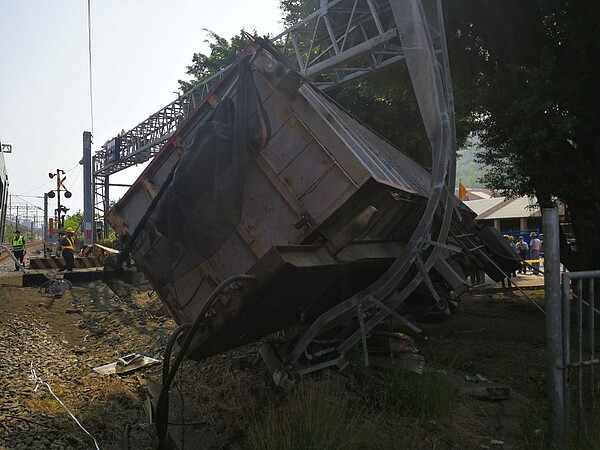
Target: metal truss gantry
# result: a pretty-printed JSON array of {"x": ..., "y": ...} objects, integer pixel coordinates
[{"x": 338, "y": 43}]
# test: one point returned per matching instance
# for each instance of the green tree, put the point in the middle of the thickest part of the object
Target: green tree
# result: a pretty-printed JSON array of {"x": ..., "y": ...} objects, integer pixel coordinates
[
  {"x": 296, "y": 10},
  {"x": 533, "y": 67},
  {"x": 222, "y": 54},
  {"x": 75, "y": 221},
  {"x": 9, "y": 233}
]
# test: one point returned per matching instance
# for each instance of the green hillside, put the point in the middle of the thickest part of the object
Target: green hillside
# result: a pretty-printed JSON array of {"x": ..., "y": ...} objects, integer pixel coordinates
[{"x": 467, "y": 169}]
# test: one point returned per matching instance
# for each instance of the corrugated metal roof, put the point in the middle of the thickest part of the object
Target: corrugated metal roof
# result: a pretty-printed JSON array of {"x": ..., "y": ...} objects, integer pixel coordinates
[
  {"x": 518, "y": 207},
  {"x": 481, "y": 206},
  {"x": 500, "y": 208},
  {"x": 474, "y": 193}
]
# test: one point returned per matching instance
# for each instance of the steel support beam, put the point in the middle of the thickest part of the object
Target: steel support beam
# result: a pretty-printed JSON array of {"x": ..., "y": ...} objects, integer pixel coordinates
[{"x": 554, "y": 333}]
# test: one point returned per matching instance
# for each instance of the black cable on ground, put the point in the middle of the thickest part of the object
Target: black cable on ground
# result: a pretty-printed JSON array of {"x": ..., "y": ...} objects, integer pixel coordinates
[
  {"x": 162, "y": 407},
  {"x": 169, "y": 348},
  {"x": 125, "y": 437}
]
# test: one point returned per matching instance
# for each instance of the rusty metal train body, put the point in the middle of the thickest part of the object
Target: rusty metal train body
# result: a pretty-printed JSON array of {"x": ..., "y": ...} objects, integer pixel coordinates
[{"x": 338, "y": 229}]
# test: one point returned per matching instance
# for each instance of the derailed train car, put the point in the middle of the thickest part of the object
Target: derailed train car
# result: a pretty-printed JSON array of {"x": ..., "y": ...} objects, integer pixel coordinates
[{"x": 330, "y": 227}]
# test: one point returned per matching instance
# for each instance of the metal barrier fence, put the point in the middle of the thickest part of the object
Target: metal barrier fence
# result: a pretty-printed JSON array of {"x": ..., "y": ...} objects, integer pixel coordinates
[
  {"x": 580, "y": 387},
  {"x": 571, "y": 359}
]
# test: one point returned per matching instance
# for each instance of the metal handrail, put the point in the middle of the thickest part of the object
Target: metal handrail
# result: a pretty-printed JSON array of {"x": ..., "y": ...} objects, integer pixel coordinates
[{"x": 12, "y": 256}]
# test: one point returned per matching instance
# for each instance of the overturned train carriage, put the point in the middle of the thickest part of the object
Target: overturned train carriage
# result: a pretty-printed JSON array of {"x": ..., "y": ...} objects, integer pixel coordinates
[{"x": 268, "y": 177}]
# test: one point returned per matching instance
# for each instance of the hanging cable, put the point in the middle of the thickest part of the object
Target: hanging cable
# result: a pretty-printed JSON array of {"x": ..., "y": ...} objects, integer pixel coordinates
[
  {"x": 28, "y": 203},
  {"x": 76, "y": 175},
  {"x": 39, "y": 187},
  {"x": 90, "y": 63},
  {"x": 169, "y": 372}
]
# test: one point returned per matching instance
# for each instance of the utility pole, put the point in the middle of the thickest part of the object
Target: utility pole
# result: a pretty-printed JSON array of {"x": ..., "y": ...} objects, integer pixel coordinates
[
  {"x": 58, "y": 183},
  {"x": 89, "y": 224},
  {"x": 45, "y": 227},
  {"x": 61, "y": 209},
  {"x": 554, "y": 354}
]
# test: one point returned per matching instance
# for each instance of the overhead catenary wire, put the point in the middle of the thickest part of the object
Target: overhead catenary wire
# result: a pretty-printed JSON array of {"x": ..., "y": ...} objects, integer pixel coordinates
[
  {"x": 26, "y": 201},
  {"x": 38, "y": 188},
  {"x": 49, "y": 181},
  {"x": 76, "y": 176}
]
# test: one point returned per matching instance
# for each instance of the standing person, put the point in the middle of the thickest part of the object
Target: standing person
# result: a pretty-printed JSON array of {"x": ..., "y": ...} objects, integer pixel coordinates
[
  {"x": 18, "y": 249},
  {"x": 535, "y": 245},
  {"x": 522, "y": 248},
  {"x": 67, "y": 246},
  {"x": 513, "y": 245},
  {"x": 507, "y": 238}
]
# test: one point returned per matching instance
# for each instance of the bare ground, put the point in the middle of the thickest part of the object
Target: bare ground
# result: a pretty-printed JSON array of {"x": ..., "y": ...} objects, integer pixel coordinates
[
  {"x": 496, "y": 338},
  {"x": 62, "y": 340}
]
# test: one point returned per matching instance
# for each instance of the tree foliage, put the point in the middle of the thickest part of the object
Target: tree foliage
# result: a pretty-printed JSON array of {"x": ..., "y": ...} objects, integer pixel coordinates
[
  {"x": 75, "y": 221},
  {"x": 533, "y": 74},
  {"x": 296, "y": 10},
  {"x": 222, "y": 54},
  {"x": 469, "y": 171}
]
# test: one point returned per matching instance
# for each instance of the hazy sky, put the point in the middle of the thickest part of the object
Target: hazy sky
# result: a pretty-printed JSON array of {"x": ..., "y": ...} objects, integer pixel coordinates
[{"x": 140, "y": 48}]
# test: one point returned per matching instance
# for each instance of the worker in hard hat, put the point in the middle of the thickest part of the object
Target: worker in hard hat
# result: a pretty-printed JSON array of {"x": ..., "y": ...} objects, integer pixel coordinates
[
  {"x": 67, "y": 246},
  {"x": 535, "y": 247},
  {"x": 18, "y": 249}
]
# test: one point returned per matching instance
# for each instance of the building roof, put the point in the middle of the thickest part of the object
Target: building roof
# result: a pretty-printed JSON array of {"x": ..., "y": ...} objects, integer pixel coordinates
[
  {"x": 483, "y": 205},
  {"x": 475, "y": 193},
  {"x": 501, "y": 208},
  {"x": 479, "y": 194}
]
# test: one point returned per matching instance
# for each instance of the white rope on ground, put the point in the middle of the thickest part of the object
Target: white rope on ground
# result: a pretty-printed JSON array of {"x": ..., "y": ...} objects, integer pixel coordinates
[{"x": 39, "y": 382}]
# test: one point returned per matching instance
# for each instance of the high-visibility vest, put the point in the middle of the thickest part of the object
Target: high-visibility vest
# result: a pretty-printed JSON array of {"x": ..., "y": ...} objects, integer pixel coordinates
[
  {"x": 71, "y": 245},
  {"x": 17, "y": 243}
]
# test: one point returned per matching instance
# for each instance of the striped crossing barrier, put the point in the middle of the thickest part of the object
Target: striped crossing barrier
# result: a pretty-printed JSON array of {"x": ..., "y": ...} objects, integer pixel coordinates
[{"x": 59, "y": 263}]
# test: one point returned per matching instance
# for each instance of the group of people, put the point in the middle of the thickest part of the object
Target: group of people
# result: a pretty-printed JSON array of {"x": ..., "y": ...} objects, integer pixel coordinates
[
  {"x": 66, "y": 246},
  {"x": 534, "y": 248},
  {"x": 522, "y": 248}
]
